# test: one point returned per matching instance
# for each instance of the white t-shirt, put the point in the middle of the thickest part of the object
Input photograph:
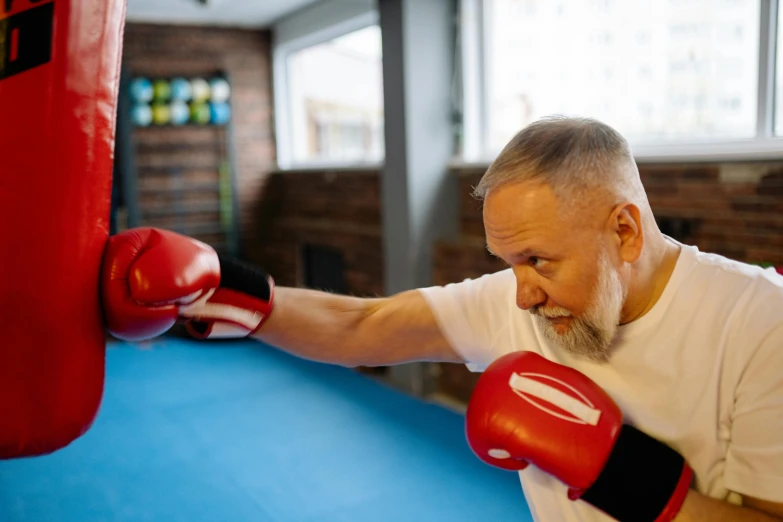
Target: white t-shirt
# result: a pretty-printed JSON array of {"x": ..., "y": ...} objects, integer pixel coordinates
[{"x": 702, "y": 371}]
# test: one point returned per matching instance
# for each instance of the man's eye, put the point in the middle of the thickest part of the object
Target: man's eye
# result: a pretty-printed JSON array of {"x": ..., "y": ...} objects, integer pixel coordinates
[{"x": 536, "y": 261}]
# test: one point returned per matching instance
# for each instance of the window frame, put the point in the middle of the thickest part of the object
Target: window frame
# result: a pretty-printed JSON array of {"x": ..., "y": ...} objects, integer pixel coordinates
[
  {"x": 280, "y": 54},
  {"x": 477, "y": 79}
]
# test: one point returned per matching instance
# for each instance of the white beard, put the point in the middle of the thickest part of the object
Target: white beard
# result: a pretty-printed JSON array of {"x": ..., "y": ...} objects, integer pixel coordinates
[{"x": 590, "y": 335}]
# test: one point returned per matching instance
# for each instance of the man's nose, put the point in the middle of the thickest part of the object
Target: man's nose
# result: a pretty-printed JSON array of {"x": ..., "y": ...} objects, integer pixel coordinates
[{"x": 529, "y": 294}]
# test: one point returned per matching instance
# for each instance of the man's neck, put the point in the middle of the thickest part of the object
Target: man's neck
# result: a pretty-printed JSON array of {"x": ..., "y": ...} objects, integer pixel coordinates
[{"x": 651, "y": 278}]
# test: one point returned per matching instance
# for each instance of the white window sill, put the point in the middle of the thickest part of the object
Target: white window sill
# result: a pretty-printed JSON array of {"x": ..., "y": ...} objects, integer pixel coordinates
[
  {"x": 770, "y": 149},
  {"x": 332, "y": 166}
]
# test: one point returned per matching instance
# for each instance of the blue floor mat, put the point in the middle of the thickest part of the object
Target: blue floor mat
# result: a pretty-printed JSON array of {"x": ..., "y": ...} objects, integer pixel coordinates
[{"x": 237, "y": 431}]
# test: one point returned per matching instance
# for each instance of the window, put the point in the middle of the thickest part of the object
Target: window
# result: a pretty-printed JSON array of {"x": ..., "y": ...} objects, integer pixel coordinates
[
  {"x": 672, "y": 73},
  {"x": 334, "y": 104}
]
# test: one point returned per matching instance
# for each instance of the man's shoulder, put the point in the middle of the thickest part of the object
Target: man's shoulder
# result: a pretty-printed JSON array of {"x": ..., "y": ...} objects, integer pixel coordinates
[
  {"x": 500, "y": 281},
  {"x": 486, "y": 294},
  {"x": 732, "y": 296},
  {"x": 720, "y": 274}
]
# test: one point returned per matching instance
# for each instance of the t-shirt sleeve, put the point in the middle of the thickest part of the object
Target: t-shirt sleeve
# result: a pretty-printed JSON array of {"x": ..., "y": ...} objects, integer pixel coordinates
[
  {"x": 754, "y": 462},
  {"x": 473, "y": 314}
]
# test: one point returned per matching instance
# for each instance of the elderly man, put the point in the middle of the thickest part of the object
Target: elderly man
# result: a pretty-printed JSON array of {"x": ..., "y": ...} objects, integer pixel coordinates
[{"x": 646, "y": 380}]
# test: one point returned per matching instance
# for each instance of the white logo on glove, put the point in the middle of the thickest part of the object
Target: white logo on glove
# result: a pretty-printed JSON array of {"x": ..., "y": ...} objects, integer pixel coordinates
[{"x": 524, "y": 386}]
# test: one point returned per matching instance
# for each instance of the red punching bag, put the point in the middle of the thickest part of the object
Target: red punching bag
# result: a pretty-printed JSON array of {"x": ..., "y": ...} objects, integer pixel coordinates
[{"x": 59, "y": 73}]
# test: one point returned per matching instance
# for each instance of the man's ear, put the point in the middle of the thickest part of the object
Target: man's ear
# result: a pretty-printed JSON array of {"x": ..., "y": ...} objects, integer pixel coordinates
[{"x": 625, "y": 225}]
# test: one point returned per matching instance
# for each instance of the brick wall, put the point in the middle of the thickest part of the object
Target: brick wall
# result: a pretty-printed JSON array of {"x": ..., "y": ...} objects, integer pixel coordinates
[
  {"x": 322, "y": 208},
  {"x": 731, "y": 209},
  {"x": 167, "y": 156},
  {"x": 734, "y": 210}
]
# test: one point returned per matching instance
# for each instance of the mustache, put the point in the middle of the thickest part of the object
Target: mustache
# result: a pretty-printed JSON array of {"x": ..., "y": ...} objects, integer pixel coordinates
[{"x": 557, "y": 311}]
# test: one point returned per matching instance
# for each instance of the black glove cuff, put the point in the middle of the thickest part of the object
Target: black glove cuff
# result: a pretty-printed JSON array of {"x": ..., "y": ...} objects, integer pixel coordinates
[
  {"x": 245, "y": 277},
  {"x": 639, "y": 479}
]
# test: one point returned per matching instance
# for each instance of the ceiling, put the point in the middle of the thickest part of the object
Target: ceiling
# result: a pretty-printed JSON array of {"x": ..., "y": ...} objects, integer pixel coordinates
[{"x": 245, "y": 13}]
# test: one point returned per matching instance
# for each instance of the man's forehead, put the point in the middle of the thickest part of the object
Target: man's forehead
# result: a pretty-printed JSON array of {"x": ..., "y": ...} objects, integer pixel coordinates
[
  {"x": 529, "y": 216},
  {"x": 522, "y": 202}
]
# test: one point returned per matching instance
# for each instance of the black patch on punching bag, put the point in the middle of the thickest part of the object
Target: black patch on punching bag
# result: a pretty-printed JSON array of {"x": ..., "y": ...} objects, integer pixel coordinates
[{"x": 26, "y": 40}]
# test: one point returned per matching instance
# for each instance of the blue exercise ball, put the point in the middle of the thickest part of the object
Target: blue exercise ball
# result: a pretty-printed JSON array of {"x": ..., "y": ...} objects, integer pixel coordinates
[
  {"x": 141, "y": 114},
  {"x": 141, "y": 90},
  {"x": 180, "y": 112},
  {"x": 219, "y": 113},
  {"x": 180, "y": 89}
]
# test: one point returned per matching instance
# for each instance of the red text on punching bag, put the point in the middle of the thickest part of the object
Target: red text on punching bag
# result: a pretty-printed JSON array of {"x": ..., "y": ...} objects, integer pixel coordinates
[
  {"x": 25, "y": 36},
  {"x": 7, "y": 7}
]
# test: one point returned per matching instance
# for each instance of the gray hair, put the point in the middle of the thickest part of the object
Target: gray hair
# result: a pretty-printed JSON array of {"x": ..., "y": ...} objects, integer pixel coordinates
[{"x": 574, "y": 156}]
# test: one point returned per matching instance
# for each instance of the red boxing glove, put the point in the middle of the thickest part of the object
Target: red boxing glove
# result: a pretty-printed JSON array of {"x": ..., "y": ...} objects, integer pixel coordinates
[
  {"x": 528, "y": 410},
  {"x": 150, "y": 278}
]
